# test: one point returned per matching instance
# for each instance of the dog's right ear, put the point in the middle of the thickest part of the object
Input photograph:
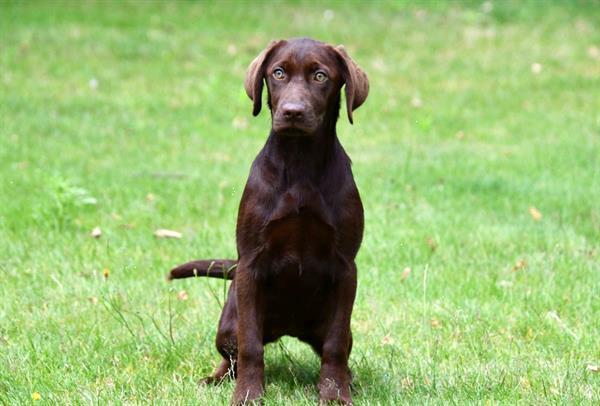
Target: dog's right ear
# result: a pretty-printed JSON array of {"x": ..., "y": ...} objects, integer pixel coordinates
[{"x": 256, "y": 74}]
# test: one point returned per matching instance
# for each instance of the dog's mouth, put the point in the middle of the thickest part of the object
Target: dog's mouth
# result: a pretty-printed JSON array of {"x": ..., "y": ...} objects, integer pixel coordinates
[
  {"x": 304, "y": 126},
  {"x": 293, "y": 127}
]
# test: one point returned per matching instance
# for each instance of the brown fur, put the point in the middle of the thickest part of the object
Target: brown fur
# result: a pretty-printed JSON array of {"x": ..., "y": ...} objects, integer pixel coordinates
[{"x": 300, "y": 223}]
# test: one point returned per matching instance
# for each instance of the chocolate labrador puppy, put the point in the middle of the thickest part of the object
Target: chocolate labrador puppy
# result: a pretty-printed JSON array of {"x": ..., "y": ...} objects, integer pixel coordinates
[{"x": 300, "y": 223}]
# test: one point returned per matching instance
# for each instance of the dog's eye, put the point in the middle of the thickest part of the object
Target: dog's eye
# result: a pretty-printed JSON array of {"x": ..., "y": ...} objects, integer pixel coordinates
[
  {"x": 278, "y": 74},
  {"x": 320, "y": 76}
]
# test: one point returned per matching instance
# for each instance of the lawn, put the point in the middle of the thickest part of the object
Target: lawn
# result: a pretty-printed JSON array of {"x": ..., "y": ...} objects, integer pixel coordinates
[{"x": 477, "y": 155}]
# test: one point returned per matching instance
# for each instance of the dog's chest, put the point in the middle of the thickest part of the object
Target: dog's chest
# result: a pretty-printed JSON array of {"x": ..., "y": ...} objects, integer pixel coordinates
[{"x": 299, "y": 234}]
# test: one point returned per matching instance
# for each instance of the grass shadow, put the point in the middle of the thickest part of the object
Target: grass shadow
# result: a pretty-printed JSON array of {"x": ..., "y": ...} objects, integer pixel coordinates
[
  {"x": 291, "y": 371},
  {"x": 294, "y": 370}
]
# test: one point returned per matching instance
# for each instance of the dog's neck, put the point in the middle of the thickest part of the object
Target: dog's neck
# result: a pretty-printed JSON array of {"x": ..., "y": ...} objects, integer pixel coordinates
[{"x": 303, "y": 158}]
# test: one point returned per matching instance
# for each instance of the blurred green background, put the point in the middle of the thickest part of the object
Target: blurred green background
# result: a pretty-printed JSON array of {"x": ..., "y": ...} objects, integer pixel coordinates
[{"x": 477, "y": 155}]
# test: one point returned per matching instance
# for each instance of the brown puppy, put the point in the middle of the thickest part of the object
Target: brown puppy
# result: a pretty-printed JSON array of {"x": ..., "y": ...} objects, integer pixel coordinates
[{"x": 300, "y": 223}]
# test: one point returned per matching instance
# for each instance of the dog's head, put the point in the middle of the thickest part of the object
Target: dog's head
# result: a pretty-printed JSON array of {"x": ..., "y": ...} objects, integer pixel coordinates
[{"x": 304, "y": 79}]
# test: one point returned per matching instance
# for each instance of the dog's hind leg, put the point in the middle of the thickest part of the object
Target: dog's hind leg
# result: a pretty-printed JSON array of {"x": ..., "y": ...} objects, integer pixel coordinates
[{"x": 226, "y": 341}]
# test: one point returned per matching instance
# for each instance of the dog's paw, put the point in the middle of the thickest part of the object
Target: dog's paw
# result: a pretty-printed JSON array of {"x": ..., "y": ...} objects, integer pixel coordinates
[
  {"x": 331, "y": 392},
  {"x": 209, "y": 380},
  {"x": 247, "y": 396}
]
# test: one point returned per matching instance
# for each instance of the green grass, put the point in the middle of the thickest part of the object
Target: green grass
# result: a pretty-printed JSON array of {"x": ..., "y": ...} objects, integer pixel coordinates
[{"x": 498, "y": 307}]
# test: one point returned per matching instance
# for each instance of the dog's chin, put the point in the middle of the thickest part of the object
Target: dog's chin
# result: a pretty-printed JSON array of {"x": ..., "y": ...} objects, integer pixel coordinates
[{"x": 294, "y": 129}]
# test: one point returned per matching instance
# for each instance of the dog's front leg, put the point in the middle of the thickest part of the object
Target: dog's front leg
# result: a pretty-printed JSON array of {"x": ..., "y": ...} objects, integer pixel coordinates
[
  {"x": 250, "y": 362},
  {"x": 334, "y": 381}
]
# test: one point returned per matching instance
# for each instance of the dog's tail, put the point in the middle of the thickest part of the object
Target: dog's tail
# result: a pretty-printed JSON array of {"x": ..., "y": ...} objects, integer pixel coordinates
[{"x": 213, "y": 268}]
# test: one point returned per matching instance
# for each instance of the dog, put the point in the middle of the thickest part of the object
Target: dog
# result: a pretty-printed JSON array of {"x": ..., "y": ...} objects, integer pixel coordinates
[{"x": 300, "y": 223}]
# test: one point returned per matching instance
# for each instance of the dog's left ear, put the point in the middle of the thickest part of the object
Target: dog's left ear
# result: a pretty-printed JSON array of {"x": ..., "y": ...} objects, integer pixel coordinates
[
  {"x": 256, "y": 74},
  {"x": 357, "y": 83}
]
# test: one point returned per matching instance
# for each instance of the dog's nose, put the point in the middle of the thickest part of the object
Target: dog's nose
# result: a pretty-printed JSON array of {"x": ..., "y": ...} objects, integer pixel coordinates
[{"x": 293, "y": 111}]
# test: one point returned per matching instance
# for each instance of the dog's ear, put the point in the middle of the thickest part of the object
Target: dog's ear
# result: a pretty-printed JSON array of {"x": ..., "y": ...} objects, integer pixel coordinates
[
  {"x": 357, "y": 83},
  {"x": 256, "y": 74}
]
